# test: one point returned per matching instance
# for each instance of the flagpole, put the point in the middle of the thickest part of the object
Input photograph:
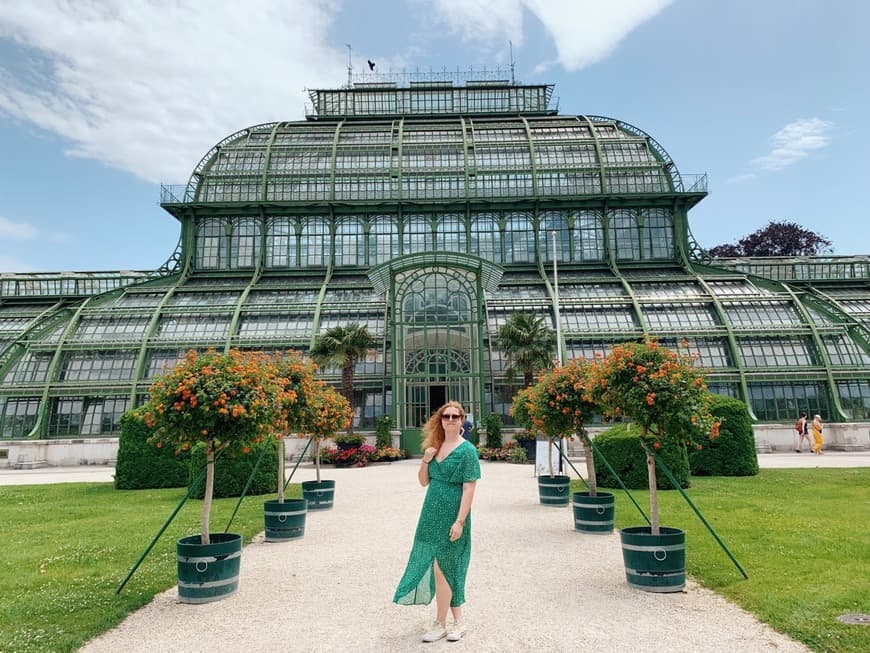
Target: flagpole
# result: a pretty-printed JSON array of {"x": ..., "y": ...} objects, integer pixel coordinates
[{"x": 558, "y": 318}]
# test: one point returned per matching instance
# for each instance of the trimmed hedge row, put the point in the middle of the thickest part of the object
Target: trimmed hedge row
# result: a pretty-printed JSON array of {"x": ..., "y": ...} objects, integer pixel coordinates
[
  {"x": 733, "y": 452},
  {"x": 620, "y": 445},
  {"x": 143, "y": 466},
  {"x": 232, "y": 473}
]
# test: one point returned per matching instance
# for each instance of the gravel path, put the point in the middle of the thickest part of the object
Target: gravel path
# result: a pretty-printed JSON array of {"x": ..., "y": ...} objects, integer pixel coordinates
[{"x": 534, "y": 584}]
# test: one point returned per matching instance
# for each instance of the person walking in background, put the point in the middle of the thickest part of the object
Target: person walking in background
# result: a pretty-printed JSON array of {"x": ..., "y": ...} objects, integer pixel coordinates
[
  {"x": 467, "y": 428},
  {"x": 817, "y": 435},
  {"x": 802, "y": 429},
  {"x": 441, "y": 551}
]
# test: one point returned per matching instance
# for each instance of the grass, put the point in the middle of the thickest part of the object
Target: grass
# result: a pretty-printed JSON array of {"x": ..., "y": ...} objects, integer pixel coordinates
[
  {"x": 66, "y": 548},
  {"x": 802, "y": 535}
]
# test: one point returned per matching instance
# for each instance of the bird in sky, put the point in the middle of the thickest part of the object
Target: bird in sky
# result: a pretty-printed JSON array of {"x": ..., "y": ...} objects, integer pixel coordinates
[{"x": 371, "y": 64}]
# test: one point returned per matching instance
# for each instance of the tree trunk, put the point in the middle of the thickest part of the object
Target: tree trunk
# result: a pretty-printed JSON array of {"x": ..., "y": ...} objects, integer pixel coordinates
[
  {"x": 592, "y": 479},
  {"x": 653, "y": 494},
  {"x": 281, "y": 469},
  {"x": 550, "y": 456},
  {"x": 317, "y": 457},
  {"x": 347, "y": 385},
  {"x": 209, "y": 491}
]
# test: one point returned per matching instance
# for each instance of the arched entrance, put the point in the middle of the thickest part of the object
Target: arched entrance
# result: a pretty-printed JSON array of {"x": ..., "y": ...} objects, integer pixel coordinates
[{"x": 437, "y": 319}]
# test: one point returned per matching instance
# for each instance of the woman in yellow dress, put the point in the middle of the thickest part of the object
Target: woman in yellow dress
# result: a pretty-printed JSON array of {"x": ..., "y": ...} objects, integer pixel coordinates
[{"x": 817, "y": 435}]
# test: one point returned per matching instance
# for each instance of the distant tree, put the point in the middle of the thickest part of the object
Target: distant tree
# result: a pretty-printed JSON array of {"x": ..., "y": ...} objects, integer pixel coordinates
[
  {"x": 528, "y": 344},
  {"x": 344, "y": 346},
  {"x": 777, "y": 239}
]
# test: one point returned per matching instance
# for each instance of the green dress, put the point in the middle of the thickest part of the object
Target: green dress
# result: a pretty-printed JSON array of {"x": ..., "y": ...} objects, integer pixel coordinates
[{"x": 432, "y": 538}]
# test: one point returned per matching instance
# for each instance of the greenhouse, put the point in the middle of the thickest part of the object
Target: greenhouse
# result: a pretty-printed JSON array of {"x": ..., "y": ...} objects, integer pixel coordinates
[{"x": 429, "y": 210}]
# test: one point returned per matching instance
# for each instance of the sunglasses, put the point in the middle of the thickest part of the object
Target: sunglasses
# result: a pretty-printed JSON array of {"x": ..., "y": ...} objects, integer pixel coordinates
[{"x": 450, "y": 417}]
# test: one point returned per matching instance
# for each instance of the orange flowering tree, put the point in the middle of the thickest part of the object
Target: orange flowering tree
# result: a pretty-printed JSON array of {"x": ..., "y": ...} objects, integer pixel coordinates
[
  {"x": 298, "y": 381},
  {"x": 326, "y": 412},
  {"x": 662, "y": 391},
  {"x": 560, "y": 406},
  {"x": 225, "y": 402}
]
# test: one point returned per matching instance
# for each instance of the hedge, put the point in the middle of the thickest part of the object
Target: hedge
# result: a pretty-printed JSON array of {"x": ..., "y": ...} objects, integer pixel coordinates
[
  {"x": 620, "y": 445},
  {"x": 733, "y": 452},
  {"x": 141, "y": 465},
  {"x": 231, "y": 474}
]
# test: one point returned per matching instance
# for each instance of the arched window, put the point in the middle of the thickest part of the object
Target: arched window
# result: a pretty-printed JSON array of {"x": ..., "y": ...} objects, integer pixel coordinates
[
  {"x": 555, "y": 221},
  {"x": 350, "y": 241},
  {"x": 245, "y": 243},
  {"x": 451, "y": 233},
  {"x": 658, "y": 234},
  {"x": 211, "y": 244},
  {"x": 624, "y": 236},
  {"x": 486, "y": 236},
  {"x": 519, "y": 238},
  {"x": 417, "y": 235},
  {"x": 314, "y": 242},
  {"x": 383, "y": 239},
  {"x": 588, "y": 236},
  {"x": 282, "y": 246}
]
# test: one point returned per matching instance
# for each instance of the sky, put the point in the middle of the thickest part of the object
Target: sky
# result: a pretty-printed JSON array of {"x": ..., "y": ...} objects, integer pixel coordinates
[{"x": 102, "y": 101}]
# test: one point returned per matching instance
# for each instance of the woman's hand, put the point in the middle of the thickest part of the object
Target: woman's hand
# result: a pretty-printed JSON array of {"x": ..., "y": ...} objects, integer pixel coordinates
[
  {"x": 429, "y": 454},
  {"x": 456, "y": 531}
]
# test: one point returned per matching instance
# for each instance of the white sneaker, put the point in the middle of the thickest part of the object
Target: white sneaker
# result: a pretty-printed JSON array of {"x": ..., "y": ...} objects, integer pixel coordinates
[
  {"x": 437, "y": 632},
  {"x": 456, "y": 631}
]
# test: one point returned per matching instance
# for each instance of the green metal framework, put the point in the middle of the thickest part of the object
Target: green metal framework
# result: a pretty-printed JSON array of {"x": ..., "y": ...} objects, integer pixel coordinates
[{"x": 426, "y": 212}]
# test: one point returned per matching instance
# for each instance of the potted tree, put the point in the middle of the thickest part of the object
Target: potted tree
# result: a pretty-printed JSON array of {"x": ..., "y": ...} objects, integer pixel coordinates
[
  {"x": 666, "y": 395},
  {"x": 285, "y": 518},
  {"x": 521, "y": 412},
  {"x": 225, "y": 403},
  {"x": 562, "y": 410},
  {"x": 325, "y": 413}
]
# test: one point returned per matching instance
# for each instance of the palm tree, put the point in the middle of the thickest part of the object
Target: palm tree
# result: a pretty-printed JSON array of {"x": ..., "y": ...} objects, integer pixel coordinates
[
  {"x": 344, "y": 346},
  {"x": 528, "y": 344}
]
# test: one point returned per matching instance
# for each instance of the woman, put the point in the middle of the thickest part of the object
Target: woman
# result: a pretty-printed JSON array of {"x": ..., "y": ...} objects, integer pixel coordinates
[
  {"x": 817, "y": 435},
  {"x": 442, "y": 542}
]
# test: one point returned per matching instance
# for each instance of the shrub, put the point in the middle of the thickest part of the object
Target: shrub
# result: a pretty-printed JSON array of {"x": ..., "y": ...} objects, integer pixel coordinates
[
  {"x": 232, "y": 471},
  {"x": 141, "y": 465},
  {"x": 350, "y": 439},
  {"x": 492, "y": 425},
  {"x": 620, "y": 445},
  {"x": 517, "y": 455},
  {"x": 384, "y": 438},
  {"x": 733, "y": 452}
]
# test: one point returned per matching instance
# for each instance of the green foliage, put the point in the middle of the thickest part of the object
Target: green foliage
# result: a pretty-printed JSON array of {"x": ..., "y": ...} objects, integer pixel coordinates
[
  {"x": 492, "y": 425},
  {"x": 384, "y": 437},
  {"x": 528, "y": 344},
  {"x": 517, "y": 455},
  {"x": 621, "y": 446},
  {"x": 352, "y": 439},
  {"x": 733, "y": 452},
  {"x": 141, "y": 465},
  {"x": 232, "y": 471}
]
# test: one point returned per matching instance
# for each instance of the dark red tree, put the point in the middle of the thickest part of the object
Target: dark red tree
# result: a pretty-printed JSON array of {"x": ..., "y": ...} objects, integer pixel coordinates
[{"x": 777, "y": 239}]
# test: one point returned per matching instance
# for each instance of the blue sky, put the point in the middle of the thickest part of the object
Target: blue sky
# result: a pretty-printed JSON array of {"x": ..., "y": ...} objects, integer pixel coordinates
[{"x": 101, "y": 101}]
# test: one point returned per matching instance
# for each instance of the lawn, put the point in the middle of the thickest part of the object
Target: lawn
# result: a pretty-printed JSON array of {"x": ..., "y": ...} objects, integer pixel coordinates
[
  {"x": 66, "y": 548},
  {"x": 802, "y": 535}
]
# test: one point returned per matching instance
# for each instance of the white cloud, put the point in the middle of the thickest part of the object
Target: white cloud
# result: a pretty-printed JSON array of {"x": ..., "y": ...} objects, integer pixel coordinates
[
  {"x": 16, "y": 230},
  {"x": 584, "y": 31},
  {"x": 794, "y": 142},
  {"x": 150, "y": 86},
  {"x": 740, "y": 178}
]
